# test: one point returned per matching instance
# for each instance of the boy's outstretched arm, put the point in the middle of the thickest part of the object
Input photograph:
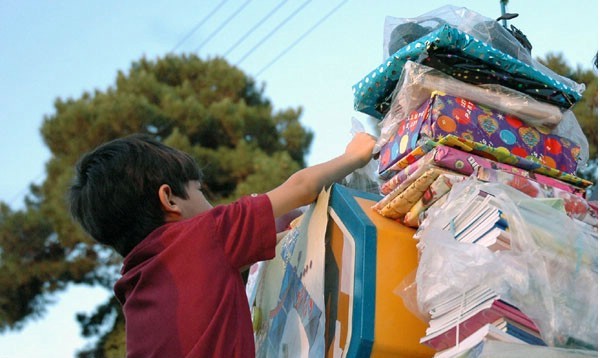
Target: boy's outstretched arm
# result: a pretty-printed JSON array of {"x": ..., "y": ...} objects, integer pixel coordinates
[{"x": 304, "y": 186}]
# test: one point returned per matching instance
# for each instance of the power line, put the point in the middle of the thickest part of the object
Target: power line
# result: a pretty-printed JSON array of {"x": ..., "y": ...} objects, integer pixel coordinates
[
  {"x": 273, "y": 32},
  {"x": 235, "y": 13},
  {"x": 318, "y": 23},
  {"x": 199, "y": 24},
  {"x": 248, "y": 33},
  {"x": 23, "y": 191}
]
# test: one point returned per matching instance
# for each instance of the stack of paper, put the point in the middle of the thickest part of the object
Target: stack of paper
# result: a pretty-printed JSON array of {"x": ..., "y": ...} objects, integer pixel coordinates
[
  {"x": 481, "y": 223},
  {"x": 460, "y": 317}
]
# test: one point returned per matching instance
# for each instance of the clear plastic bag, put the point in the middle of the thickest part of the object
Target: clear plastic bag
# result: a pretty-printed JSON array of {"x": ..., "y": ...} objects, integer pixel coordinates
[
  {"x": 418, "y": 82},
  {"x": 570, "y": 128},
  {"x": 401, "y": 31},
  {"x": 550, "y": 272},
  {"x": 365, "y": 178}
]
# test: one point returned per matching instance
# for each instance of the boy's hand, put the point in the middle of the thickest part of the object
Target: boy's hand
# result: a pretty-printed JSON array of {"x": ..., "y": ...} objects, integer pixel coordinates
[
  {"x": 303, "y": 186},
  {"x": 361, "y": 148}
]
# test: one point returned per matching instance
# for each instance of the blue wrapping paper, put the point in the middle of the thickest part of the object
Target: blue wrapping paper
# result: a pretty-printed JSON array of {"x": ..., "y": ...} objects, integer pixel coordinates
[{"x": 465, "y": 58}]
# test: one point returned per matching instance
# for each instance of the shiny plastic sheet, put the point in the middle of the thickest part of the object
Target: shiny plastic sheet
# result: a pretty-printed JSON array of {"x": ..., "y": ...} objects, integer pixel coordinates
[
  {"x": 550, "y": 272},
  {"x": 465, "y": 57},
  {"x": 419, "y": 81}
]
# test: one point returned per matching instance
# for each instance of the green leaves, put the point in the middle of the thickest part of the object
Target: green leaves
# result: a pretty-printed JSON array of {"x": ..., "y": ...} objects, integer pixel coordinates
[
  {"x": 586, "y": 110},
  {"x": 207, "y": 108}
]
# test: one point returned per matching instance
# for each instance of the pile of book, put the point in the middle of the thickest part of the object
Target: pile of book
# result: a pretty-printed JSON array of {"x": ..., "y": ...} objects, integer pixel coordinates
[
  {"x": 539, "y": 286},
  {"x": 474, "y": 315},
  {"x": 475, "y": 135}
]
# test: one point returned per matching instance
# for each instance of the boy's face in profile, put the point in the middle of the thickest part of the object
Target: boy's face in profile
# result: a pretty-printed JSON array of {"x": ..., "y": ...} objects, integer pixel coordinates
[{"x": 195, "y": 204}]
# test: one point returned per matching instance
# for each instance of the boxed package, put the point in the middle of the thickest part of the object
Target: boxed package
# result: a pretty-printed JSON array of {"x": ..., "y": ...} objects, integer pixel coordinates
[
  {"x": 466, "y": 163},
  {"x": 444, "y": 115},
  {"x": 468, "y": 59}
]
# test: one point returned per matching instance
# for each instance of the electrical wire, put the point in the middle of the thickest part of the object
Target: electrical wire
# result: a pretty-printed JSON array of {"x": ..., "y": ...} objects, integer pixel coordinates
[
  {"x": 198, "y": 25},
  {"x": 23, "y": 192},
  {"x": 293, "y": 44},
  {"x": 273, "y": 32},
  {"x": 249, "y": 32},
  {"x": 235, "y": 13}
]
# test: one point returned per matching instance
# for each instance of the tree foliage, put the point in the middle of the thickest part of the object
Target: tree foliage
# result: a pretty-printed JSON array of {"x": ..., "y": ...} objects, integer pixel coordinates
[
  {"x": 586, "y": 110},
  {"x": 207, "y": 108}
]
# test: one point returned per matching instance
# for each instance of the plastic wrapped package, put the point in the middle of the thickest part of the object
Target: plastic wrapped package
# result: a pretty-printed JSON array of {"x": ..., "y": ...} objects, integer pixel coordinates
[
  {"x": 443, "y": 114},
  {"x": 463, "y": 56},
  {"x": 550, "y": 272},
  {"x": 399, "y": 32},
  {"x": 570, "y": 128},
  {"x": 501, "y": 157},
  {"x": 418, "y": 82},
  {"x": 466, "y": 163},
  {"x": 575, "y": 206}
]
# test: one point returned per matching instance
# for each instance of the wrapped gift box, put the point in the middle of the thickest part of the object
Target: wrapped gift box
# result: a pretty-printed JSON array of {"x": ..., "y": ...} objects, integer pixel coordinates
[
  {"x": 444, "y": 115},
  {"x": 467, "y": 59},
  {"x": 578, "y": 184},
  {"x": 437, "y": 190},
  {"x": 575, "y": 206},
  {"x": 466, "y": 163},
  {"x": 399, "y": 201}
]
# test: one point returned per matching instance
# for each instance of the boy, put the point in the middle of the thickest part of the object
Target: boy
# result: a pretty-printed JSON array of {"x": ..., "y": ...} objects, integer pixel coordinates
[{"x": 181, "y": 289}]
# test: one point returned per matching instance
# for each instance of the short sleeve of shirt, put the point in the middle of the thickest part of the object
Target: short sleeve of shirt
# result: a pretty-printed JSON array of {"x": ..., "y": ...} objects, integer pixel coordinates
[{"x": 247, "y": 228}]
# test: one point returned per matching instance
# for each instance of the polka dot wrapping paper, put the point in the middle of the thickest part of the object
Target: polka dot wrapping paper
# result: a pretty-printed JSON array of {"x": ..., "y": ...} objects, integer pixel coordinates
[
  {"x": 468, "y": 59},
  {"x": 444, "y": 115}
]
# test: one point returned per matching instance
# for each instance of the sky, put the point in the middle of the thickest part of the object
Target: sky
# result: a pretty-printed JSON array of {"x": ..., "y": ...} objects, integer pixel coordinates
[{"x": 307, "y": 54}]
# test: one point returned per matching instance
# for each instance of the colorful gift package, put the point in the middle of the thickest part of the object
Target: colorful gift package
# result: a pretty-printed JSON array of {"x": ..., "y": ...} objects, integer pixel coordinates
[
  {"x": 468, "y": 59},
  {"x": 575, "y": 206},
  {"x": 413, "y": 189},
  {"x": 401, "y": 200},
  {"x": 504, "y": 156},
  {"x": 440, "y": 187},
  {"x": 466, "y": 163},
  {"x": 444, "y": 115},
  {"x": 419, "y": 81}
]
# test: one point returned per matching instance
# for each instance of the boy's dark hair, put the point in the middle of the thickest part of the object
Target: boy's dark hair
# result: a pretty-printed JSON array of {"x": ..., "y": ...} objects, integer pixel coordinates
[{"x": 115, "y": 192}]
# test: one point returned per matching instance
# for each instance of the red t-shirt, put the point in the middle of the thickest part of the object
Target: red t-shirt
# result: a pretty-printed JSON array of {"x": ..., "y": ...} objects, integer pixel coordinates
[{"x": 181, "y": 289}]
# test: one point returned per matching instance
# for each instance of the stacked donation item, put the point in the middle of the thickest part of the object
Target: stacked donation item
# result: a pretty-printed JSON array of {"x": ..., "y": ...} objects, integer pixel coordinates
[{"x": 479, "y": 152}]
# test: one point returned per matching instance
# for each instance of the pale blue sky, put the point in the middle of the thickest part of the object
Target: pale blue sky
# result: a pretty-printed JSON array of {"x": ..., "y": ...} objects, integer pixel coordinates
[{"x": 62, "y": 48}]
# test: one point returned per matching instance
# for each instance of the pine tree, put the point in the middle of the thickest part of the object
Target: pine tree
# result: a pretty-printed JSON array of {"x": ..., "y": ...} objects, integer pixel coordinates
[
  {"x": 207, "y": 108},
  {"x": 585, "y": 110}
]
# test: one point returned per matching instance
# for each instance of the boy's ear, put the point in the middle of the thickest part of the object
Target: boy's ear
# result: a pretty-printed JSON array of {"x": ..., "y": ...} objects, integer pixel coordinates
[{"x": 169, "y": 206}]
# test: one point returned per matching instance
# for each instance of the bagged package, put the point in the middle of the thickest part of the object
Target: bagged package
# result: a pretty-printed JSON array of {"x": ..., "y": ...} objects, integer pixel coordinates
[
  {"x": 574, "y": 205},
  {"x": 419, "y": 81},
  {"x": 399, "y": 32},
  {"x": 467, "y": 163},
  {"x": 430, "y": 196},
  {"x": 443, "y": 114},
  {"x": 549, "y": 273},
  {"x": 400, "y": 201},
  {"x": 460, "y": 52}
]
